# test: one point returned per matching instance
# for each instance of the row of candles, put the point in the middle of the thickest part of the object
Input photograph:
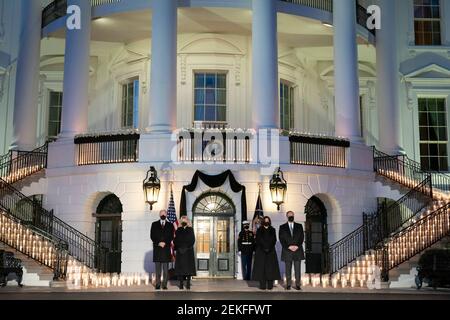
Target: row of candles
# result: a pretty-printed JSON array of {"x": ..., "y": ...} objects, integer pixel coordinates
[
  {"x": 339, "y": 280},
  {"x": 26, "y": 241},
  {"x": 79, "y": 276},
  {"x": 18, "y": 174},
  {"x": 411, "y": 183}
]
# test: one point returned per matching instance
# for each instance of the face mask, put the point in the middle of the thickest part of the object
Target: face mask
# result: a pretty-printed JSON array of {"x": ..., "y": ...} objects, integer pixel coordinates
[
  {"x": 267, "y": 224},
  {"x": 163, "y": 218},
  {"x": 184, "y": 224},
  {"x": 291, "y": 219},
  {"x": 246, "y": 227}
]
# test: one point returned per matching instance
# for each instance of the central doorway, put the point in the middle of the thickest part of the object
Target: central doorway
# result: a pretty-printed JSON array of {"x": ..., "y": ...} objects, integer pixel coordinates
[{"x": 214, "y": 225}]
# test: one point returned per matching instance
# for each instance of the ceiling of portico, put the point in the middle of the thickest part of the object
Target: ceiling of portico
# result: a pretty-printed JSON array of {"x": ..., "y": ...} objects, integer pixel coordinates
[{"x": 293, "y": 31}]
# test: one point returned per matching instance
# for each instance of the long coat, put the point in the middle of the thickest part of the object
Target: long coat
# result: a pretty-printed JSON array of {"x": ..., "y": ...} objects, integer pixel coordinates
[
  {"x": 158, "y": 234},
  {"x": 184, "y": 247},
  {"x": 288, "y": 240},
  {"x": 266, "y": 266}
]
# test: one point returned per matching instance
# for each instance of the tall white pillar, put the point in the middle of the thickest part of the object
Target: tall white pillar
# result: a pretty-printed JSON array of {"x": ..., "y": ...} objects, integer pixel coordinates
[
  {"x": 27, "y": 78},
  {"x": 163, "y": 96},
  {"x": 265, "y": 106},
  {"x": 76, "y": 74},
  {"x": 346, "y": 82},
  {"x": 388, "y": 81}
]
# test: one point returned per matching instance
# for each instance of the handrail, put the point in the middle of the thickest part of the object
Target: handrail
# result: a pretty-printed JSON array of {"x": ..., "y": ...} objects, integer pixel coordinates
[
  {"x": 410, "y": 241},
  {"x": 17, "y": 165},
  {"x": 80, "y": 246},
  {"x": 23, "y": 242},
  {"x": 378, "y": 226},
  {"x": 407, "y": 171}
]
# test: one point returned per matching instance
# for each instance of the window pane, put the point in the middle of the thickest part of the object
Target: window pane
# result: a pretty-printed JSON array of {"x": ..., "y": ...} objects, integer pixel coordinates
[
  {"x": 199, "y": 113},
  {"x": 221, "y": 114},
  {"x": 221, "y": 97},
  {"x": 210, "y": 80},
  {"x": 210, "y": 113},
  {"x": 222, "y": 81},
  {"x": 199, "y": 96},
  {"x": 210, "y": 97},
  {"x": 200, "y": 80}
]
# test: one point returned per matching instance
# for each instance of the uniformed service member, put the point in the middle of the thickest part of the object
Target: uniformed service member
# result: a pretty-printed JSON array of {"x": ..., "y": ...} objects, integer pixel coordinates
[{"x": 246, "y": 246}]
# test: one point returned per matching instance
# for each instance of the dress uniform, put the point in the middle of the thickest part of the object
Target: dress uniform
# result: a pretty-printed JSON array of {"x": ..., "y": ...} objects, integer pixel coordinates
[{"x": 246, "y": 246}]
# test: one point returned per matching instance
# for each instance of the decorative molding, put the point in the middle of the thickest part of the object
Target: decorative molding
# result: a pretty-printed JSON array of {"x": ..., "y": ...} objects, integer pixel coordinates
[
  {"x": 183, "y": 66},
  {"x": 237, "y": 69},
  {"x": 42, "y": 80},
  {"x": 371, "y": 94}
]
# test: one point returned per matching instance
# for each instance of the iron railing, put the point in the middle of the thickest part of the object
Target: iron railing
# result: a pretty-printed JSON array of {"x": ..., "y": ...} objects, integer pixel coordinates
[
  {"x": 31, "y": 213},
  {"x": 378, "y": 226},
  {"x": 318, "y": 151},
  {"x": 35, "y": 244},
  {"x": 17, "y": 165},
  {"x": 407, "y": 171},
  {"x": 407, "y": 243},
  {"x": 107, "y": 149},
  {"x": 227, "y": 146}
]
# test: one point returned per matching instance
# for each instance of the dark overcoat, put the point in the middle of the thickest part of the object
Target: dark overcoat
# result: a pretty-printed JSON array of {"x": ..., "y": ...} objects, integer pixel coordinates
[
  {"x": 184, "y": 247},
  {"x": 266, "y": 266},
  {"x": 166, "y": 235},
  {"x": 288, "y": 240}
]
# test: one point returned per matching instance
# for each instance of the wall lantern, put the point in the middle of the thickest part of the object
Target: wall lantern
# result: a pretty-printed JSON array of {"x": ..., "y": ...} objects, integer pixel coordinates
[
  {"x": 278, "y": 188},
  {"x": 152, "y": 187}
]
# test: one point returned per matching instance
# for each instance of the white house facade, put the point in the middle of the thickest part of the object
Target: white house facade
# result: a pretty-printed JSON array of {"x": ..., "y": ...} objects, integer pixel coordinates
[{"x": 217, "y": 95}]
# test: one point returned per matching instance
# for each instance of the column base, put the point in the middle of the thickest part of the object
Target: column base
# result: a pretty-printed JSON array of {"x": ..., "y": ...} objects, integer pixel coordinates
[{"x": 160, "y": 129}]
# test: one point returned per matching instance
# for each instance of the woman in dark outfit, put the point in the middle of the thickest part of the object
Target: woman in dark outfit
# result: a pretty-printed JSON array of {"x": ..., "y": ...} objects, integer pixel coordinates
[
  {"x": 266, "y": 268},
  {"x": 185, "y": 259}
]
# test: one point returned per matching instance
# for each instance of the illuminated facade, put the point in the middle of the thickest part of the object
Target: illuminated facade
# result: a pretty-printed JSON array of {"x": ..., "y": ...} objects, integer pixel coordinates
[{"x": 142, "y": 81}]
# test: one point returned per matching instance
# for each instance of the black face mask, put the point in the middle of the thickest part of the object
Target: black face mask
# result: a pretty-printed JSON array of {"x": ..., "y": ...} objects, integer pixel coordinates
[
  {"x": 267, "y": 224},
  {"x": 163, "y": 218},
  {"x": 246, "y": 227},
  {"x": 291, "y": 219},
  {"x": 183, "y": 224}
]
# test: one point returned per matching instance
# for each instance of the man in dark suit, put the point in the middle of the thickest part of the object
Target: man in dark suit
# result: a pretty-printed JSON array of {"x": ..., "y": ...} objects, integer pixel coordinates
[
  {"x": 162, "y": 234},
  {"x": 291, "y": 237}
]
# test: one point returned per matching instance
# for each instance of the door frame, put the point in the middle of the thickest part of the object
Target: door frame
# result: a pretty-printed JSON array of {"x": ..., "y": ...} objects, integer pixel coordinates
[{"x": 214, "y": 217}]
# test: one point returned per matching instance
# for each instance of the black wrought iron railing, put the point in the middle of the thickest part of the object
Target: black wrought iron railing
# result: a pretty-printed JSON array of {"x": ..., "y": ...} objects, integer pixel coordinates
[
  {"x": 318, "y": 151},
  {"x": 227, "y": 146},
  {"x": 107, "y": 149},
  {"x": 407, "y": 171},
  {"x": 55, "y": 10},
  {"x": 17, "y": 165},
  {"x": 410, "y": 241},
  {"x": 378, "y": 226},
  {"x": 34, "y": 243},
  {"x": 31, "y": 213}
]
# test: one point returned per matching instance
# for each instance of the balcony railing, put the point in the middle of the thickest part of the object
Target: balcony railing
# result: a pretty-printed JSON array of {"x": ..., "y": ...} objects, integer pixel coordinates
[
  {"x": 58, "y": 9},
  {"x": 107, "y": 149},
  {"x": 318, "y": 151},
  {"x": 227, "y": 146}
]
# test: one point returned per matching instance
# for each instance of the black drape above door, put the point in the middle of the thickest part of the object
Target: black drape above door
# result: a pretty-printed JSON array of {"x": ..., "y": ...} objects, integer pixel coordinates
[{"x": 214, "y": 182}]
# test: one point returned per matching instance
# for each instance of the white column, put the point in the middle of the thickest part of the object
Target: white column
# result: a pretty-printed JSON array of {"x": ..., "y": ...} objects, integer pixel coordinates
[
  {"x": 27, "y": 78},
  {"x": 388, "y": 81},
  {"x": 163, "y": 96},
  {"x": 346, "y": 70},
  {"x": 265, "y": 106},
  {"x": 76, "y": 74}
]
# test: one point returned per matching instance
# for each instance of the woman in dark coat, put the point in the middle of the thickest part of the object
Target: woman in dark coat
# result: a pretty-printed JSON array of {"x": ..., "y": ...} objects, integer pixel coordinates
[
  {"x": 185, "y": 259},
  {"x": 266, "y": 269}
]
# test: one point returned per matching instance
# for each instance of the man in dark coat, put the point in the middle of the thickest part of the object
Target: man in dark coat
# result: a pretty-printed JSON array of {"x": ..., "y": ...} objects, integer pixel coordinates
[
  {"x": 185, "y": 258},
  {"x": 162, "y": 234},
  {"x": 266, "y": 269},
  {"x": 291, "y": 238},
  {"x": 246, "y": 246}
]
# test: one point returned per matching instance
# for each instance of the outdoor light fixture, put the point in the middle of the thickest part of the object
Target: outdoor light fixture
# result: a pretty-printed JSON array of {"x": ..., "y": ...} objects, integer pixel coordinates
[
  {"x": 278, "y": 188},
  {"x": 152, "y": 187}
]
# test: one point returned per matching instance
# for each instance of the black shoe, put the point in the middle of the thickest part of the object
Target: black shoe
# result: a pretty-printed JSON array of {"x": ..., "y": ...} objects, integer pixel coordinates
[
  {"x": 158, "y": 287},
  {"x": 181, "y": 286},
  {"x": 288, "y": 288},
  {"x": 298, "y": 288},
  {"x": 164, "y": 288}
]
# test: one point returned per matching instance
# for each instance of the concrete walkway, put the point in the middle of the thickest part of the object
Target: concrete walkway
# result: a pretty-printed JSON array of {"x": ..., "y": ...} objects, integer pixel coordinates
[{"x": 219, "y": 289}]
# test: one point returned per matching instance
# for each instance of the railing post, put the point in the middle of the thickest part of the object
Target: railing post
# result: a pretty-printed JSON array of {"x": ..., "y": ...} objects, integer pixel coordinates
[{"x": 385, "y": 263}]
